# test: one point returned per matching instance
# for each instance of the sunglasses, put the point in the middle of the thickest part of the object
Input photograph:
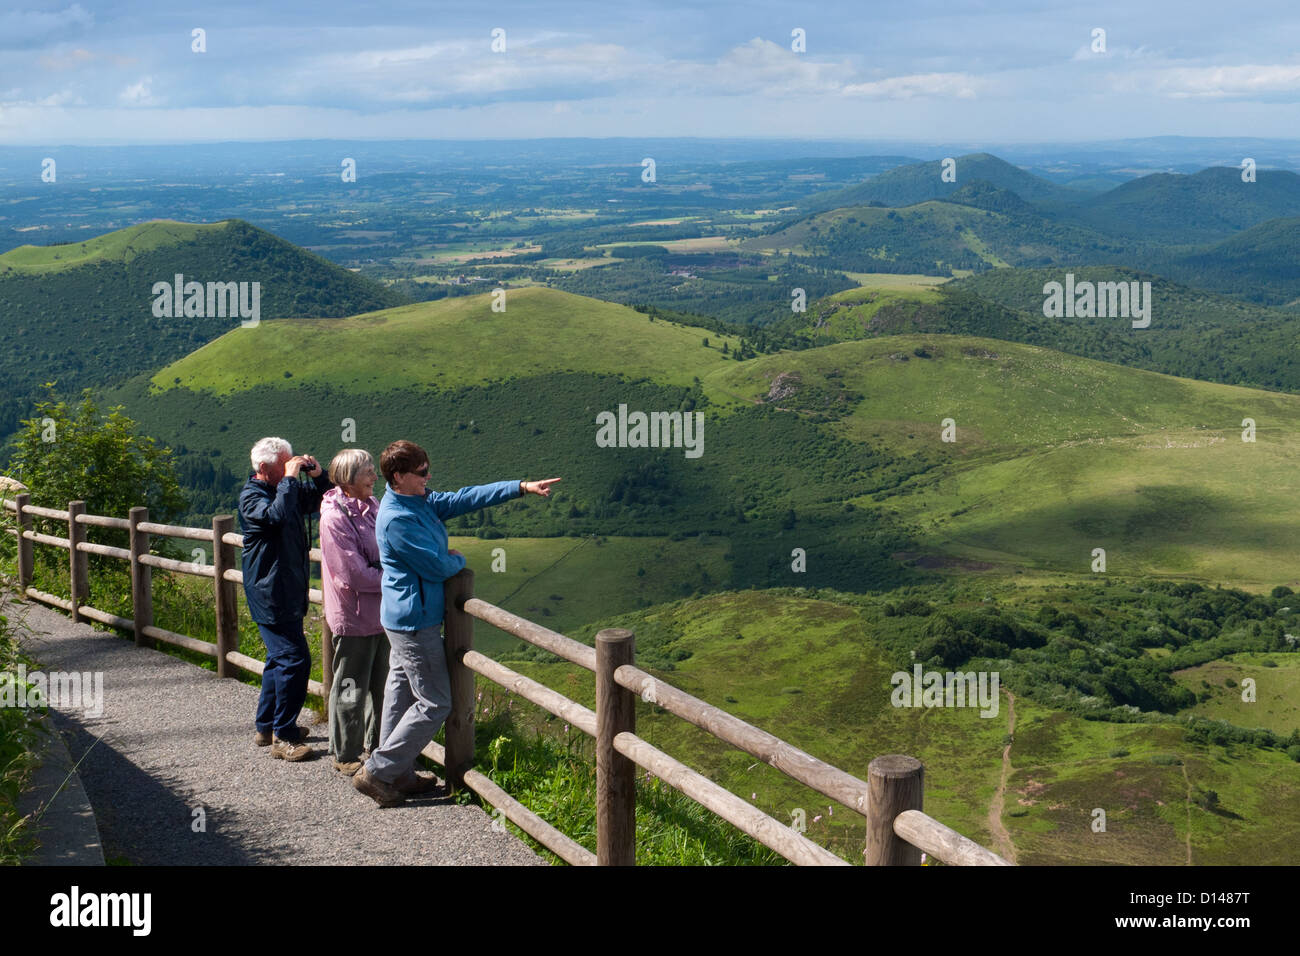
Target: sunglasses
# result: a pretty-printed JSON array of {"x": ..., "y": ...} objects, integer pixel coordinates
[{"x": 422, "y": 471}]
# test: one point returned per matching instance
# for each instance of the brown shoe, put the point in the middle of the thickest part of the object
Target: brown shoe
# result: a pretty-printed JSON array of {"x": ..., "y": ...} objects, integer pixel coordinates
[
  {"x": 348, "y": 767},
  {"x": 266, "y": 739},
  {"x": 288, "y": 750},
  {"x": 374, "y": 788},
  {"x": 415, "y": 783}
]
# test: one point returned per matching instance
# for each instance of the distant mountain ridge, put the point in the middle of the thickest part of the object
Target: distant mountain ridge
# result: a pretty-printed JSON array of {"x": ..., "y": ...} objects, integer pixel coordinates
[{"x": 908, "y": 185}]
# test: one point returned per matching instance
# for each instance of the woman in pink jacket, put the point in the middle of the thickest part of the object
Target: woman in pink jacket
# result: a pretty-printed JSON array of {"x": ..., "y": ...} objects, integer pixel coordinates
[{"x": 350, "y": 576}]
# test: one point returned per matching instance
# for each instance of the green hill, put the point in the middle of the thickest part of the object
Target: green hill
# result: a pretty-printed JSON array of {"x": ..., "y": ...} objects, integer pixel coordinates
[
  {"x": 919, "y": 182},
  {"x": 1183, "y": 210},
  {"x": 1057, "y": 455},
  {"x": 978, "y": 228},
  {"x": 1261, "y": 264},
  {"x": 454, "y": 342},
  {"x": 1193, "y": 334},
  {"x": 517, "y": 394},
  {"x": 83, "y": 313},
  {"x": 833, "y": 449}
]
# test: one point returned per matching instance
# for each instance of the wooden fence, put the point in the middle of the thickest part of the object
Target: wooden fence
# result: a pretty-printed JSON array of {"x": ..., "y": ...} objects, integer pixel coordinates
[{"x": 890, "y": 799}]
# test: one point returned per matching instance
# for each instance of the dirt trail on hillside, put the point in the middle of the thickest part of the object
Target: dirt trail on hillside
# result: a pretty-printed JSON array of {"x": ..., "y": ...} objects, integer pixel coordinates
[
  {"x": 1188, "y": 781},
  {"x": 1002, "y": 844}
]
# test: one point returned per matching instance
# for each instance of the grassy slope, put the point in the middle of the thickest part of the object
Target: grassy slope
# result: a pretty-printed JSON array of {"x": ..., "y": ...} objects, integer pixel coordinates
[
  {"x": 943, "y": 217},
  {"x": 1057, "y": 455},
  {"x": 120, "y": 246},
  {"x": 1277, "y": 690},
  {"x": 541, "y": 330},
  {"x": 809, "y": 671}
]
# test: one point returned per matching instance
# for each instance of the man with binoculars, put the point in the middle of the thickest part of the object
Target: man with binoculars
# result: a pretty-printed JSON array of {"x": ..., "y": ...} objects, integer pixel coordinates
[{"x": 276, "y": 568}]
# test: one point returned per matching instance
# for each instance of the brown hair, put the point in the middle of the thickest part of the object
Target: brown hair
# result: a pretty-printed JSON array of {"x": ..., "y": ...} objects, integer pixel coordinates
[{"x": 404, "y": 456}]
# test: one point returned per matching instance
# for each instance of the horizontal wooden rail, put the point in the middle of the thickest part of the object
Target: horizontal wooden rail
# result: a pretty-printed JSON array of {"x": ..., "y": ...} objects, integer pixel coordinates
[
  {"x": 943, "y": 843},
  {"x": 175, "y": 531},
  {"x": 180, "y": 640},
  {"x": 122, "y": 554},
  {"x": 531, "y": 690},
  {"x": 48, "y": 598},
  {"x": 180, "y": 567},
  {"x": 807, "y": 769},
  {"x": 566, "y": 848},
  {"x": 45, "y": 512},
  {"x": 231, "y": 574},
  {"x": 231, "y": 538},
  {"x": 47, "y": 539},
  {"x": 524, "y": 629},
  {"x": 791, "y": 844},
  {"x": 94, "y": 613},
  {"x": 100, "y": 521}
]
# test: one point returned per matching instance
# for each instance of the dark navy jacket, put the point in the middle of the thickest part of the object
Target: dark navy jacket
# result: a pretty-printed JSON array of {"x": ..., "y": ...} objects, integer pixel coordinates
[{"x": 275, "y": 546}]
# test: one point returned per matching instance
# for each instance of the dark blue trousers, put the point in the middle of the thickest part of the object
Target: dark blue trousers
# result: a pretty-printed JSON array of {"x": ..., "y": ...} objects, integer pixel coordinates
[{"x": 284, "y": 682}]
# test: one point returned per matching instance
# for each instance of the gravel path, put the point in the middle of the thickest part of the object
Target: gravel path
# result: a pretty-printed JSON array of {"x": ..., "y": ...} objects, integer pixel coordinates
[{"x": 174, "y": 737}]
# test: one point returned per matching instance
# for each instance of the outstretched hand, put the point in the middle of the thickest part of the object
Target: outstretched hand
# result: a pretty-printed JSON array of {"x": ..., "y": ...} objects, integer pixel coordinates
[{"x": 542, "y": 487}]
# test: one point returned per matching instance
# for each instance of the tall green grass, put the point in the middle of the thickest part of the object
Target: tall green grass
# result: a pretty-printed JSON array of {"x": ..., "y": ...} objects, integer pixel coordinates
[{"x": 550, "y": 767}]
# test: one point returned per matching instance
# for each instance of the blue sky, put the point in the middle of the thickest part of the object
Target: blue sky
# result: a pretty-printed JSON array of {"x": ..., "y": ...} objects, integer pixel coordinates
[{"x": 993, "y": 72}]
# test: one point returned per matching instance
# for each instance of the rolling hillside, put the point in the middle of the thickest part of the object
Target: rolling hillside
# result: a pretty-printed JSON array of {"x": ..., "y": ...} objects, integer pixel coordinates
[
  {"x": 816, "y": 669},
  {"x": 979, "y": 227},
  {"x": 83, "y": 313},
  {"x": 1184, "y": 210},
  {"x": 835, "y": 449},
  {"x": 1194, "y": 334},
  {"x": 1261, "y": 264},
  {"x": 1057, "y": 455}
]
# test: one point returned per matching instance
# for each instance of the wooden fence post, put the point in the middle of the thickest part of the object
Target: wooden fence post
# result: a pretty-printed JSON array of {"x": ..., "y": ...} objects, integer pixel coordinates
[
  {"x": 227, "y": 602},
  {"x": 326, "y": 655},
  {"x": 78, "y": 585},
  {"x": 615, "y": 774},
  {"x": 894, "y": 783},
  {"x": 26, "y": 556},
  {"x": 141, "y": 578},
  {"x": 458, "y": 630}
]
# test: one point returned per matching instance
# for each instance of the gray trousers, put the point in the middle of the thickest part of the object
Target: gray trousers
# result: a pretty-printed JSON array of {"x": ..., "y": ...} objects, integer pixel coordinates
[
  {"x": 417, "y": 699},
  {"x": 357, "y": 696}
]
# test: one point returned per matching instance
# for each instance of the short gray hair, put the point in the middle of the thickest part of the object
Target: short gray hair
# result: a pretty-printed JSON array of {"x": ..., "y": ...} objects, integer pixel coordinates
[
  {"x": 267, "y": 451},
  {"x": 349, "y": 463}
]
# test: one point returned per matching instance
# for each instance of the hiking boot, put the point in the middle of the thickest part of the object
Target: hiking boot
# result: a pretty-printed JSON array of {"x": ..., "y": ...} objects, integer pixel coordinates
[
  {"x": 290, "y": 750},
  {"x": 347, "y": 767},
  {"x": 264, "y": 739},
  {"x": 415, "y": 783},
  {"x": 382, "y": 793}
]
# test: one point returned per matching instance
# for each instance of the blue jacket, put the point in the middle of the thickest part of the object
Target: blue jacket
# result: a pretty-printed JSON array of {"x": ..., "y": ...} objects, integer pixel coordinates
[
  {"x": 276, "y": 550},
  {"x": 413, "y": 550}
]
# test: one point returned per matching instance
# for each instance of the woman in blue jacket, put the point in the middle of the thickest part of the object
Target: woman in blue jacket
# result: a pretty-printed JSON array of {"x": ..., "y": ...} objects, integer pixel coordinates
[{"x": 416, "y": 560}]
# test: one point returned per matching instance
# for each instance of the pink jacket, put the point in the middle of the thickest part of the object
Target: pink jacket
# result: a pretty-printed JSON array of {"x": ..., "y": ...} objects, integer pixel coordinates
[{"x": 350, "y": 586}]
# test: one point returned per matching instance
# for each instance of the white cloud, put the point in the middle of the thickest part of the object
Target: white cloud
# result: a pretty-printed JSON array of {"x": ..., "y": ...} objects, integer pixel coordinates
[
  {"x": 961, "y": 85},
  {"x": 1215, "y": 82},
  {"x": 139, "y": 93}
]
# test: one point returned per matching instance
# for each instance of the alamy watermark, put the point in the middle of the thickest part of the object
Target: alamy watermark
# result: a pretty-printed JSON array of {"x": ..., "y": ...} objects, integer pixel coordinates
[
  {"x": 1098, "y": 300},
  {"x": 924, "y": 688},
  {"x": 193, "y": 300},
  {"x": 655, "y": 430},
  {"x": 67, "y": 691}
]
